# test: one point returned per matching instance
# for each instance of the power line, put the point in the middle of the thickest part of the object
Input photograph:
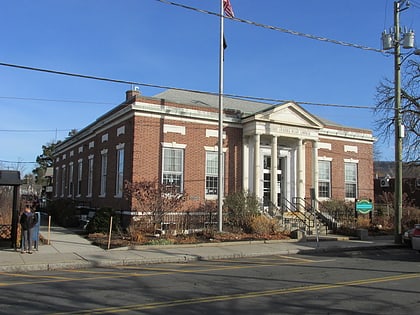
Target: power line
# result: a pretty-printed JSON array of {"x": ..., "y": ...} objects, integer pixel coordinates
[
  {"x": 299, "y": 102},
  {"x": 79, "y": 75},
  {"x": 272, "y": 100},
  {"x": 279, "y": 29}
]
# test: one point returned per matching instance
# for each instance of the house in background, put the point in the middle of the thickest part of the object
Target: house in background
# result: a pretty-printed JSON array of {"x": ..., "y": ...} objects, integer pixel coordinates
[
  {"x": 276, "y": 152},
  {"x": 384, "y": 183}
]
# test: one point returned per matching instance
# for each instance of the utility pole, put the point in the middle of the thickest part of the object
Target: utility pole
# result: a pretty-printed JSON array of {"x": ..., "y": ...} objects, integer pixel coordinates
[
  {"x": 389, "y": 41},
  {"x": 398, "y": 126}
]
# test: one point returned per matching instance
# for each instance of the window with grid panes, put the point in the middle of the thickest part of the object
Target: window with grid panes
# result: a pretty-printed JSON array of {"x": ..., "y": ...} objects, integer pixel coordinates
[
  {"x": 350, "y": 178},
  {"x": 212, "y": 174},
  {"x": 324, "y": 179},
  {"x": 90, "y": 176},
  {"x": 104, "y": 170},
  {"x": 71, "y": 173},
  {"x": 79, "y": 177},
  {"x": 173, "y": 168},
  {"x": 120, "y": 172}
]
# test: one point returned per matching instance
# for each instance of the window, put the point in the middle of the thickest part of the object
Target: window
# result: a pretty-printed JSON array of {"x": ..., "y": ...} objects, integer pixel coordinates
[
  {"x": 212, "y": 179},
  {"x": 350, "y": 178},
  {"x": 71, "y": 172},
  {"x": 90, "y": 176},
  {"x": 104, "y": 166},
  {"x": 57, "y": 170},
  {"x": 79, "y": 177},
  {"x": 172, "y": 174},
  {"x": 324, "y": 179},
  {"x": 121, "y": 130},
  {"x": 120, "y": 171},
  {"x": 63, "y": 180}
]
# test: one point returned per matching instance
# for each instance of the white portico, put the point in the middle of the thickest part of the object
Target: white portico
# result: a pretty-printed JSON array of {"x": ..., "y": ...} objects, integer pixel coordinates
[{"x": 274, "y": 156}]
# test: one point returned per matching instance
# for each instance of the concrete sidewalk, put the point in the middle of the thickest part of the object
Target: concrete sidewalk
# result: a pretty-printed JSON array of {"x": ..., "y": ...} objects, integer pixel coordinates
[{"x": 69, "y": 250}]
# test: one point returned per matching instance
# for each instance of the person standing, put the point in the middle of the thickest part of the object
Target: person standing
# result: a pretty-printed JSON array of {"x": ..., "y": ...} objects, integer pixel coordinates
[{"x": 27, "y": 221}]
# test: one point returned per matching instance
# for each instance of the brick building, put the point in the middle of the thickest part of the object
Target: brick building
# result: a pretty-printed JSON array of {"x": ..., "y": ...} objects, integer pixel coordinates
[{"x": 276, "y": 152}]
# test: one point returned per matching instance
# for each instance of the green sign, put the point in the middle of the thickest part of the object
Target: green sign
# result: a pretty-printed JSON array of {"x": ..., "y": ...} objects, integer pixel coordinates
[{"x": 364, "y": 206}]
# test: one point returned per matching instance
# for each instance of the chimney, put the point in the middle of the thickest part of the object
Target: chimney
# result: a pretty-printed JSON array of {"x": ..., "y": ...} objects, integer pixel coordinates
[{"x": 131, "y": 94}]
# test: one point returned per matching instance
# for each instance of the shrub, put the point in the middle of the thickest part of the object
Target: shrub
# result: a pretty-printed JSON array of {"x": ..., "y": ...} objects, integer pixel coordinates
[
  {"x": 100, "y": 222},
  {"x": 241, "y": 207},
  {"x": 342, "y": 211},
  {"x": 263, "y": 225},
  {"x": 63, "y": 212},
  {"x": 156, "y": 198}
]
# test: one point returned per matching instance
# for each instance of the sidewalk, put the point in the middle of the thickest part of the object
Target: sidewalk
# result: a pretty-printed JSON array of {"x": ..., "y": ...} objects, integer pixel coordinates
[{"x": 68, "y": 250}]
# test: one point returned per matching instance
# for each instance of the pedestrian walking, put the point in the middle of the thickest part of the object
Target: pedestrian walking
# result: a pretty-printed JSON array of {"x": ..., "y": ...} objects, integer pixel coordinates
[{"x": 27, "y": 221}]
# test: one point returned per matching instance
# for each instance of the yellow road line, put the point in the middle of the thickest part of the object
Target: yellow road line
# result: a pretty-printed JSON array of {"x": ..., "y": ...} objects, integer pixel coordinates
[
  {"x": 256, "y": 294},
  {"x": 157, "y": 272}
]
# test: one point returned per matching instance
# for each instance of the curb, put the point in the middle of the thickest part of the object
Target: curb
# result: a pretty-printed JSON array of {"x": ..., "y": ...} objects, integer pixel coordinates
[{"x": 180, "y": 258}]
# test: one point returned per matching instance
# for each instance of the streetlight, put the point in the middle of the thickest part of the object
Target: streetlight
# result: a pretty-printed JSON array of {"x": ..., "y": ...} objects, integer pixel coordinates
[{"x": 394, "y": 39}]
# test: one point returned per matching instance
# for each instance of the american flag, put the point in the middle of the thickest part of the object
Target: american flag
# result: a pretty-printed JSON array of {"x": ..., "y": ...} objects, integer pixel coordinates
[{"x": 227, "y": 7}]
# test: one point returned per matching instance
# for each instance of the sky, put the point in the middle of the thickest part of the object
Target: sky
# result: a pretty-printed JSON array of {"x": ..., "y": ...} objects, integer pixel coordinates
[{"x": 159, "y": 44}]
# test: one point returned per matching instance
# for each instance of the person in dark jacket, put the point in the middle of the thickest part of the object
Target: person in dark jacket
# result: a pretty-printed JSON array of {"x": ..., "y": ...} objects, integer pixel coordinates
[{"x": 27, "y": 221}]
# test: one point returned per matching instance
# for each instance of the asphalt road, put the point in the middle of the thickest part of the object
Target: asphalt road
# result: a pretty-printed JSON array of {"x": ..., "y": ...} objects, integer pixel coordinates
[{"x": 351, "y": 282}]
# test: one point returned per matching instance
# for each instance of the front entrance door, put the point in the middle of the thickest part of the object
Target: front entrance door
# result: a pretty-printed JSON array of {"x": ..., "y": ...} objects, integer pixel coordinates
[{"x": 267, "y": 200}]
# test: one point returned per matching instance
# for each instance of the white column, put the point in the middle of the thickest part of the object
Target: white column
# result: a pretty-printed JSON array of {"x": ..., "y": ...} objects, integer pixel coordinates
[
  {"x": 301, "y": 169},
  {"x": 315, "y": 169},
  {"x": 274, "y": 167},
  {"x": 257, "y": 166},
  {"x": 245, "y": 163}
]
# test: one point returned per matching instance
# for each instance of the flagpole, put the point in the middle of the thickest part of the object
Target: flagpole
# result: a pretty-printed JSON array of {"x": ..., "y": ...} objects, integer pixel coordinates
[{"x": 220, "y": 144}]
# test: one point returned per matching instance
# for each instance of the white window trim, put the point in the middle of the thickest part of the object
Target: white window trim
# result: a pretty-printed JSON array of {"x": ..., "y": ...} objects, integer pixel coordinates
[
  {"x": 90, "y": 176},
  {"x": 324, "y": 145},
  {"x": 182, "y": 147},
  {"x": 324, "y": 158},
  {"x": 70, "y": 180},
  {"x": 351, "y": 148},
  {"x": 328, "y": 159},
  {"x": 63, "y": 180},
  {"x": 104, "y": 175},
  {"x": 118, "y": 192},
  {"x": 207, "y": 196},
  {"x": 174, "y": 129},
  {"x": 121, "y": 131},
  {"x": 57, "y": 182},
  {"x": 79, "y": 177},
  {"x": 357, "y": 179},
  {"x": 120, "y": 146},
  {"x": 351, "y": 161},
  {"x": 173, "y": 145},
  {"x": 212, "y": 133},
  {"x": 214, "y": 149},
  {"x": 105, "y": 137}
]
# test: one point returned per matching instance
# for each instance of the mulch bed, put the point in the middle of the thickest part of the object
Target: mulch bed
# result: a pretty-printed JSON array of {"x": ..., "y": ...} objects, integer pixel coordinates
[{"x": 102, "y": 239}]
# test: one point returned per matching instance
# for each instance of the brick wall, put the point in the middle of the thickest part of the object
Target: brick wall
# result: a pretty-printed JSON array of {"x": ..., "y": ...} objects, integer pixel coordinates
[
  {"x": 147, "y": 162},
  {"x": 81, "y": 150},
  {"x": 340, "y": 151}
]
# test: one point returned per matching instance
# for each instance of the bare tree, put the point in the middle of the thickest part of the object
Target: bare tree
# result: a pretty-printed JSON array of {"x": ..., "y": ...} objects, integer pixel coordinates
[
  {"x": 410, "y": 110},
  {"x": 155, "y": 199}
]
